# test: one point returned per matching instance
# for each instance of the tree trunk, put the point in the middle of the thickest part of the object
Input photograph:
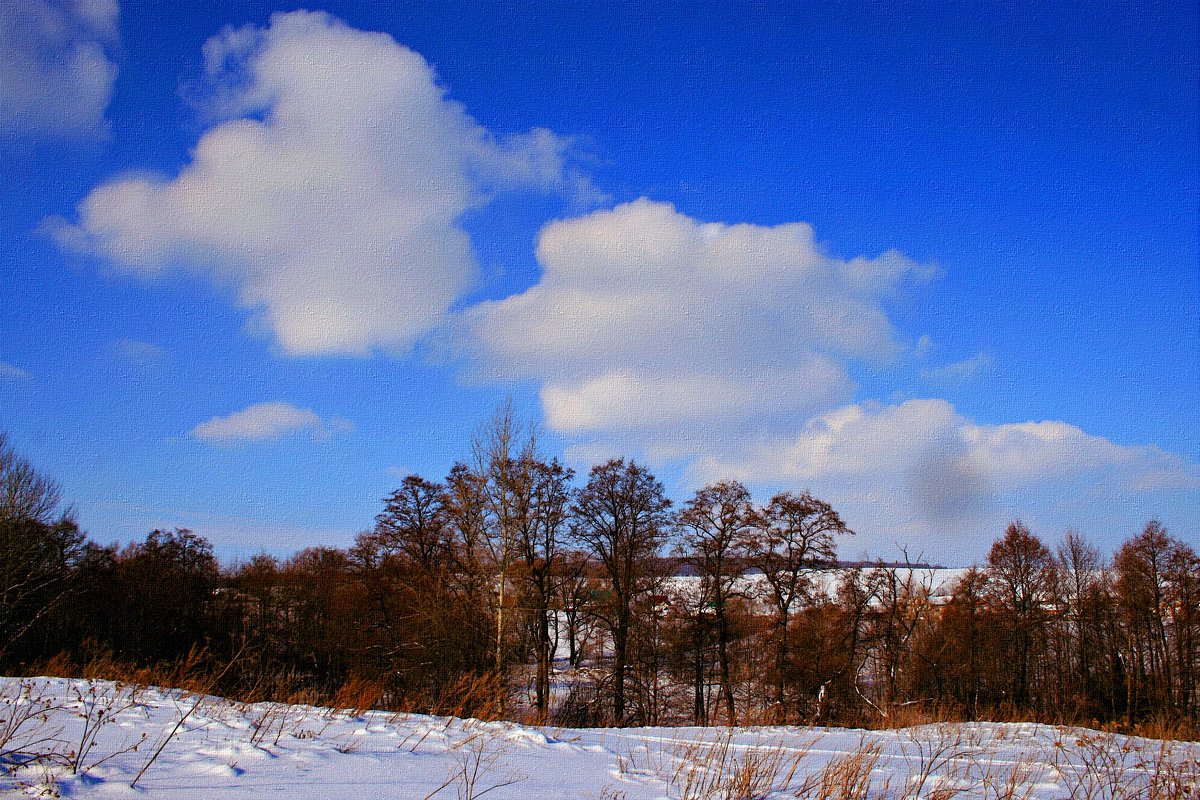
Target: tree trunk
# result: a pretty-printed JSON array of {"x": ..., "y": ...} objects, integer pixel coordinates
[
  {"x": 620, "y": 651},
  {"x": 542, "y": 688},
  {"x": 781, "y": 654},
  {"x": 723, "y": 658},
  {"x": 500, "y": 642}
]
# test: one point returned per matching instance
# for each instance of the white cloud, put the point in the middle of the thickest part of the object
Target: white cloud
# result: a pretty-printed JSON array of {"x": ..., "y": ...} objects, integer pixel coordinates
[
  {"x": 870, "y": 439},
  {"x": 921, "y": 472},
  {"x": 266, "y": 421},
  {"x": 725, "y": 350},
  {"x": 57, "y": 65},
  {"x": 624, "y": 400},
  {"x": 12, "y": 372},
  {"x": 645, "y": 319},
  {"x": 328, "y": 194}
]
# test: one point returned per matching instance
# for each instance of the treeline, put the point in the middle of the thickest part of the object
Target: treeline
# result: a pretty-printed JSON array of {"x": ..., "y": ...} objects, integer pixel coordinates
[{"x": 512, "y": 588}]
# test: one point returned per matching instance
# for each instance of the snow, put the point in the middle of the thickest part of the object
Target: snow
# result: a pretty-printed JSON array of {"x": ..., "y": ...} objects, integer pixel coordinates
[{"x": 223, "y": 749}]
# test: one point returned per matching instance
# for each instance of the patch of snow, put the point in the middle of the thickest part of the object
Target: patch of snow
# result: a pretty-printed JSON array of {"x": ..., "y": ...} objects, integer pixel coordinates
[{"x": 224, "y": 750}]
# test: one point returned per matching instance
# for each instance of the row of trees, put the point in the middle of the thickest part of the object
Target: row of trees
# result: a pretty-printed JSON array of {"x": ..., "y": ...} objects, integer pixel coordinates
[
  {"x": 1062, "y": 633},
  {"x": 513, "y": 586}
]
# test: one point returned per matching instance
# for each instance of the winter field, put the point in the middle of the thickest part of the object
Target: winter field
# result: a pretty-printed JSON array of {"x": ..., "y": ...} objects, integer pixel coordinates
[{"x": 98, "y": 739}]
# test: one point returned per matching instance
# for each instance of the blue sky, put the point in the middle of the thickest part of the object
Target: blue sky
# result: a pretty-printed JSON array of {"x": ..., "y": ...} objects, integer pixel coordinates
[{"x": 936, "y": 262}]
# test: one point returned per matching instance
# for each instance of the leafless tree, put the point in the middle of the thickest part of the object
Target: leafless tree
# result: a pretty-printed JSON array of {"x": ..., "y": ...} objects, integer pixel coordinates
[
  {"x": 1021, "y": 570},
  {"x": 414, "y": 524},
  {"x": 794, "y": 541},
  {"x": 622, "y": 515},
  {"x": 545, "y": 501},
  {"x": 40, "y": 544},
  {"x": 26, "y": 493},
  {"x": 715, "y": 526},
  {"x": 502, "y": 453}
]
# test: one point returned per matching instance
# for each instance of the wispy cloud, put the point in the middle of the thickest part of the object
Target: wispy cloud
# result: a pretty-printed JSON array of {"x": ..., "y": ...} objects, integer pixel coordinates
[
  {"x": 968, "y": 368},
  {"x": 269, "y": 421},
  {"x": 13, "y": 373},
  {"x": 140, "y": 353}
]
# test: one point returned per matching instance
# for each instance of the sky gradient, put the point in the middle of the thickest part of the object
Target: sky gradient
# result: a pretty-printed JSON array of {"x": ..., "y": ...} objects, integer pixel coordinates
[{"x": 937, "y": 263}]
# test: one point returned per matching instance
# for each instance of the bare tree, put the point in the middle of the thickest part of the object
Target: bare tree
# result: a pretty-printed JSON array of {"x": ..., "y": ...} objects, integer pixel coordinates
[
  {"x": 715, "y": 524},
  {"x": 1143, "y": 584},
  {"x": 858, "y": 589},
  {"x": 622, "y": 516},
  {"x": 1021, "y": 570},
  {"x": 546, "y": 491},
  {"x": 465, "y": 509},
  {"x": 414, "y": 524},
  {"x": 901, "y": 613},
  {"x": 574, "y": 587},
  {"x": 794, "y": 540},
  {"x": 962, "y": 629},
  {"x": 1081, "y": 590},
  {"x": 1183, "y": 596},
  {"x": 40, "y": 544},
  {"x": 502, "y": 453},
  {"x": 25, "y": 492}
]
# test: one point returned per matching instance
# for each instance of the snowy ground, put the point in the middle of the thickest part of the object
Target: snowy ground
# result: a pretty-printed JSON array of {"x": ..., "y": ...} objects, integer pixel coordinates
[{"x": 77, "y": 738}]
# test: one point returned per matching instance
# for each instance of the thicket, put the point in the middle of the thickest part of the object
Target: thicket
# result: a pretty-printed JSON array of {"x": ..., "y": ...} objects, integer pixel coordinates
[{"x": 512, "y": 588}]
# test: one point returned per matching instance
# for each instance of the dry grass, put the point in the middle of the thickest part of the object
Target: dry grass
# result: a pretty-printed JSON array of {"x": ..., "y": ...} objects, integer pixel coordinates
[
  {"x": 470, "y": 696},
  {"x": 847, "y": 777},
  {"x": 478, "y": 767},
  {"x": 1107, "y": 766},
  {"x": 43, "y": 734},
  {"x": 1166, "y": 729},
  {"x": 357, "y": 695},
  {"x": 29, "y": 726},
  {"x": 721, "y": 769}
]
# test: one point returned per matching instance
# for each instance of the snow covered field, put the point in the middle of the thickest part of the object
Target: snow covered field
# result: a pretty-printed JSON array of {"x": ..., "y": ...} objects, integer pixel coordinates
[{"x": 92, "y": 738}]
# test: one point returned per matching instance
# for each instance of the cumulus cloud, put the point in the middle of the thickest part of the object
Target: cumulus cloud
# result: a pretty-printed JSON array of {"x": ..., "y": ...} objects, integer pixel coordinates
[
  {"x": 646, "y": 319},
  {"x": 57, "y": 65},
  {"x": 328, "y": 192},
  {"x": 619, "y": 399},
  {"x": 725, "y": 350},
  {"x": 920, "y": 469},
  {"x": 894, "y": 441},
  {"x": 267, "y": 421}
]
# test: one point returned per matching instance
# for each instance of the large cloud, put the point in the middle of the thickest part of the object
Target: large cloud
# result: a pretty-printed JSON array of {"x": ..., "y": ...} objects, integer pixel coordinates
[
  {"x": 647, "y": 320},
  {"x": 728, "y": 350},
  {"x": 329, "y": 196},
  {"x": 920, "y": 472},
  {"x": 57, "y": 65},
  {"x": 898, "y": 441}
]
